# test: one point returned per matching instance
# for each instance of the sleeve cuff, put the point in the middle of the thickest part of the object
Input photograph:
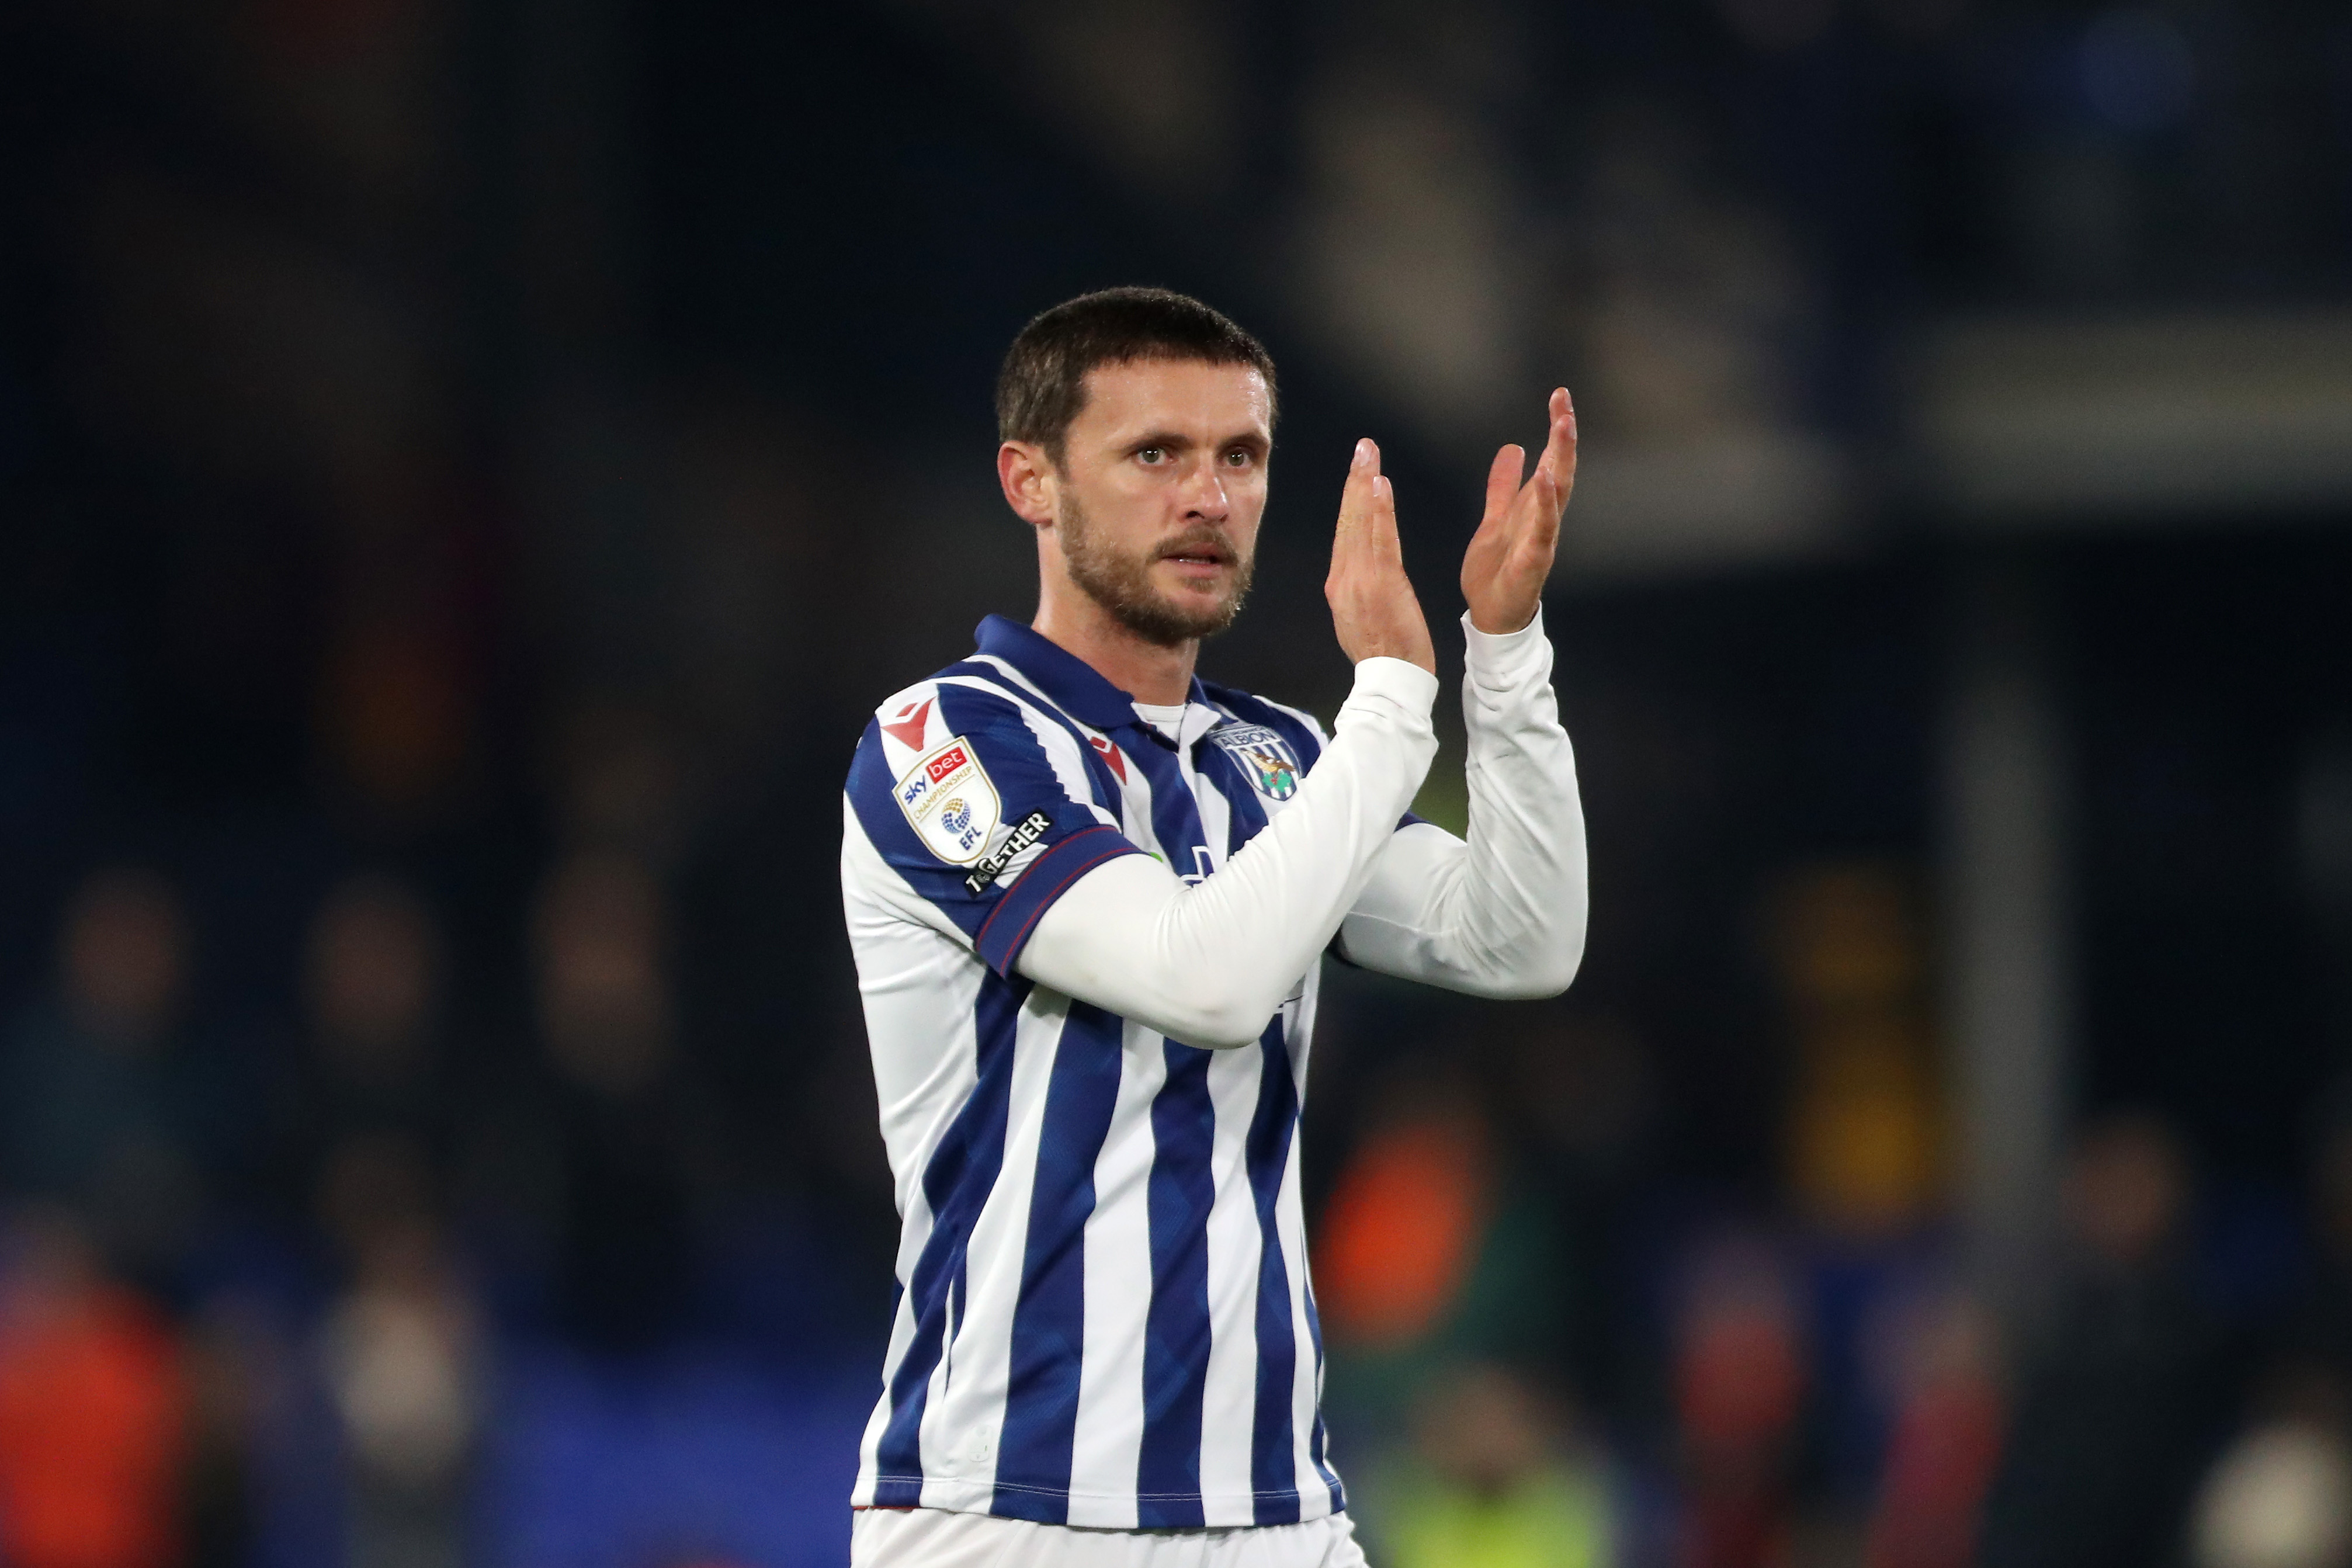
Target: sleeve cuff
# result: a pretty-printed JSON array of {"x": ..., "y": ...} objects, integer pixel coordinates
[
  {"x": 1400, "y": 682},
  {"x": 1009, "y": 925},
  {"x": 1501, "y": 661}
]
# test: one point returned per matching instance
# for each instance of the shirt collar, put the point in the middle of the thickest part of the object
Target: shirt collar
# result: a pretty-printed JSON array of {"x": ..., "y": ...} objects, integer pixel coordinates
[{"x": 1077, "y": 687}]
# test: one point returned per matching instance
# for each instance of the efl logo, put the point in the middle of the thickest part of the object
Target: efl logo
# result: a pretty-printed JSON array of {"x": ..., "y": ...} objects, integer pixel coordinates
[{"x": 949, "y": 801}]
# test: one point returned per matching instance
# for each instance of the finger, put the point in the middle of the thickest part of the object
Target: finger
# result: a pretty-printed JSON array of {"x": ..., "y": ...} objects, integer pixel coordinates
[
  {"x": 1502, "y": 484},
  {"x": 1536, "y": 506},
  {"x": 1555, "y": 438},
  {"x": 1356, "y": 495},
  {"x": 1540, "y": 533},
  {"x": 1560, "y": 447},
  {"x": 1381, "y": 534}
]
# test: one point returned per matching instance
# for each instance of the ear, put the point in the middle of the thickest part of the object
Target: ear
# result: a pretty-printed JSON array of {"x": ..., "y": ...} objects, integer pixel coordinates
[{"x": 1029, "y": 482}]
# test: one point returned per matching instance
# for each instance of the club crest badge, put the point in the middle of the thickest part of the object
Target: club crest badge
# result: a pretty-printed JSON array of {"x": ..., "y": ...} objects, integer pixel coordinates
[
  {"x": 1264, "y": 758},
  {"x": 950, "y": 802}
]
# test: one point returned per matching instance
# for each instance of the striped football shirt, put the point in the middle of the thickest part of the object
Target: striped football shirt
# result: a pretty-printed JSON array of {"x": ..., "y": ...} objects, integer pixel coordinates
[{"x": 1102, "y": 1314}]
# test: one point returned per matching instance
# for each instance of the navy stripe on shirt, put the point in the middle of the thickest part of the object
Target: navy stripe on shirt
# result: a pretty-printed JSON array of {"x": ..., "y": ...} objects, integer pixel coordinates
[
  {"x": 1274, "y": 1457},
  {"x": 956, "y": 1184},
  {"x": 1049, "y": 1321},
  {"x": 1176, "y": 1325}
]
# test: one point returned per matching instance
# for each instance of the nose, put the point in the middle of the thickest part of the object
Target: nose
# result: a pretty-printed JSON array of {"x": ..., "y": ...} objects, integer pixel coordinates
[{"x": 1205, "y": 493}]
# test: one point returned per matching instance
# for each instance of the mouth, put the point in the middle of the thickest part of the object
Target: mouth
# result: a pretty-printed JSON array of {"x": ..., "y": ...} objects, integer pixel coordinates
[{"x": 1197, "y": 556}]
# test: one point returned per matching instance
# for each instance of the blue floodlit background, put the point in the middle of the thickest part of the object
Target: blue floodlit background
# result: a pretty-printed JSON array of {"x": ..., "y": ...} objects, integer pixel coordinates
[{"x": 467, "y": 468}]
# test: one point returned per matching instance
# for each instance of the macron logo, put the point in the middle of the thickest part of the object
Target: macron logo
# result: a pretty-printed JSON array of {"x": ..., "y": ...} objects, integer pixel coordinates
[{"x": 906, "y": 729}]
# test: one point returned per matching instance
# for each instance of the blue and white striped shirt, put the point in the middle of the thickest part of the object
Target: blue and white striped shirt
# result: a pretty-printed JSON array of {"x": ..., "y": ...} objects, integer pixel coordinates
[{"x": 1103, "y": 1316}]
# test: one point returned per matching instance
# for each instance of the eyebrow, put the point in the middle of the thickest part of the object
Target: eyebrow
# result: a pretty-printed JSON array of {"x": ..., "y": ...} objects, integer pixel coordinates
[{"x": 1175, "y": 441}]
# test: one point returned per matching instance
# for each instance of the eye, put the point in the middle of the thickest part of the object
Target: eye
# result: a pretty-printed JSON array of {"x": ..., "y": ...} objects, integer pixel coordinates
[
  {"x": 1238, "y": 458},
  {"x": 1153, "y": 455}
]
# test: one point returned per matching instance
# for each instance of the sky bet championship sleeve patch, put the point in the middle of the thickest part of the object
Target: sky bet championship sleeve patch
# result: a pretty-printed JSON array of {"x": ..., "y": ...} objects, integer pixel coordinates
[
  {"x": 1265, "y": 758},
  {"x": 949, "y": 801}
]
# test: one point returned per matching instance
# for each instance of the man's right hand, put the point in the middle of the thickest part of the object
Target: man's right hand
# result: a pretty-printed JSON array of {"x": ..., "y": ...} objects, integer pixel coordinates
[{"x": 1373, "y": 608}]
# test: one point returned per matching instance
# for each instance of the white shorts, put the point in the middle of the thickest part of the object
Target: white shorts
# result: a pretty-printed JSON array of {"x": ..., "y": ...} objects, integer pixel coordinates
[{"x": 935, "y": 1537}]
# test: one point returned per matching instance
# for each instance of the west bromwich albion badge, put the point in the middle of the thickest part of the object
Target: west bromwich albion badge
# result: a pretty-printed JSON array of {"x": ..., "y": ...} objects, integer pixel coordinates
[
  {"x": 950, "y": 802},
  {"x": 1265, "y": 757}
]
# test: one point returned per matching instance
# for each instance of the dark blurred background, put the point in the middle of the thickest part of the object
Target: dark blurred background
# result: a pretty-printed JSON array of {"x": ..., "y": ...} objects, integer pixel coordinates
[{"x": 469, "y": 467}]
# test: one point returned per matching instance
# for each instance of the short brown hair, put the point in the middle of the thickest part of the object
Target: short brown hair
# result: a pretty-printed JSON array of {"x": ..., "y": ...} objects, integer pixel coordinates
[{"x": 1043, "y": 386}]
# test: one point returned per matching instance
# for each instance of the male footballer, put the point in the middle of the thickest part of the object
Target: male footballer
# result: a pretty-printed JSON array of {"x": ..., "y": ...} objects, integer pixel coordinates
[{"x": 1090, "y": 895}]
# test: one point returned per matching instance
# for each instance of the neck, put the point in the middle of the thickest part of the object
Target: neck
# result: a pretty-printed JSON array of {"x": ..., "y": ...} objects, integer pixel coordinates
[{"x": 1147, "y": 671}]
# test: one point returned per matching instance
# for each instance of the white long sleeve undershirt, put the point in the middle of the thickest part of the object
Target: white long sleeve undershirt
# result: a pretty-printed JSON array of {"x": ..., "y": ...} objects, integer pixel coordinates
[{"x": 1503, "y": 915}]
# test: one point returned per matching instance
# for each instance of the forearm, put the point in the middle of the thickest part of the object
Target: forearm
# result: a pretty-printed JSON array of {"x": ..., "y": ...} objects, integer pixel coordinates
[
  {"x": 1210, "y": 964},
  {"x": 1505, "y": 913}
]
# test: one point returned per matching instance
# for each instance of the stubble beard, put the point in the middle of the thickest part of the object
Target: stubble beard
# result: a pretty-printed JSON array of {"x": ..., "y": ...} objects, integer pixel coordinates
[{"x": 1122, "y": 583}]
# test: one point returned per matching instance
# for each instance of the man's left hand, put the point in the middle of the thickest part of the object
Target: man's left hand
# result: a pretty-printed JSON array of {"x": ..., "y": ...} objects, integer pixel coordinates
[{"x": 1510, "y": 555}]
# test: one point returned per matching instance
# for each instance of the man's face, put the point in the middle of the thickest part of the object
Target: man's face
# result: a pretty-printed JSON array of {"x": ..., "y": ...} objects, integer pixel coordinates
[{"x": 1159, "y": 493}]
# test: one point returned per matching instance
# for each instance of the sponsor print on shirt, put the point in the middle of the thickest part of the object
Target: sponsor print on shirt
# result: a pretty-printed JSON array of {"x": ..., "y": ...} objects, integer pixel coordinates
[
  {"x": 1265, "y": 758},
  {"x": 950, "y": 802},
  {"x": 1025, "y": 832}
]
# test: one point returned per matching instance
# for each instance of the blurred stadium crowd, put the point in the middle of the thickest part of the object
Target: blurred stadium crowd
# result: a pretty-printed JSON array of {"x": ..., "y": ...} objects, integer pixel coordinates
[
  {"x": 377, "y": 1289},
  {"x": 467, "y": 466}
]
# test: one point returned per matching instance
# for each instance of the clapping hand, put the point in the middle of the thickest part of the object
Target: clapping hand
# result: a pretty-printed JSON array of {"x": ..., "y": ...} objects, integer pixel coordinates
[
  {"x": 1510, "y": 555},
  {"x": 1373, "y": 608}
]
